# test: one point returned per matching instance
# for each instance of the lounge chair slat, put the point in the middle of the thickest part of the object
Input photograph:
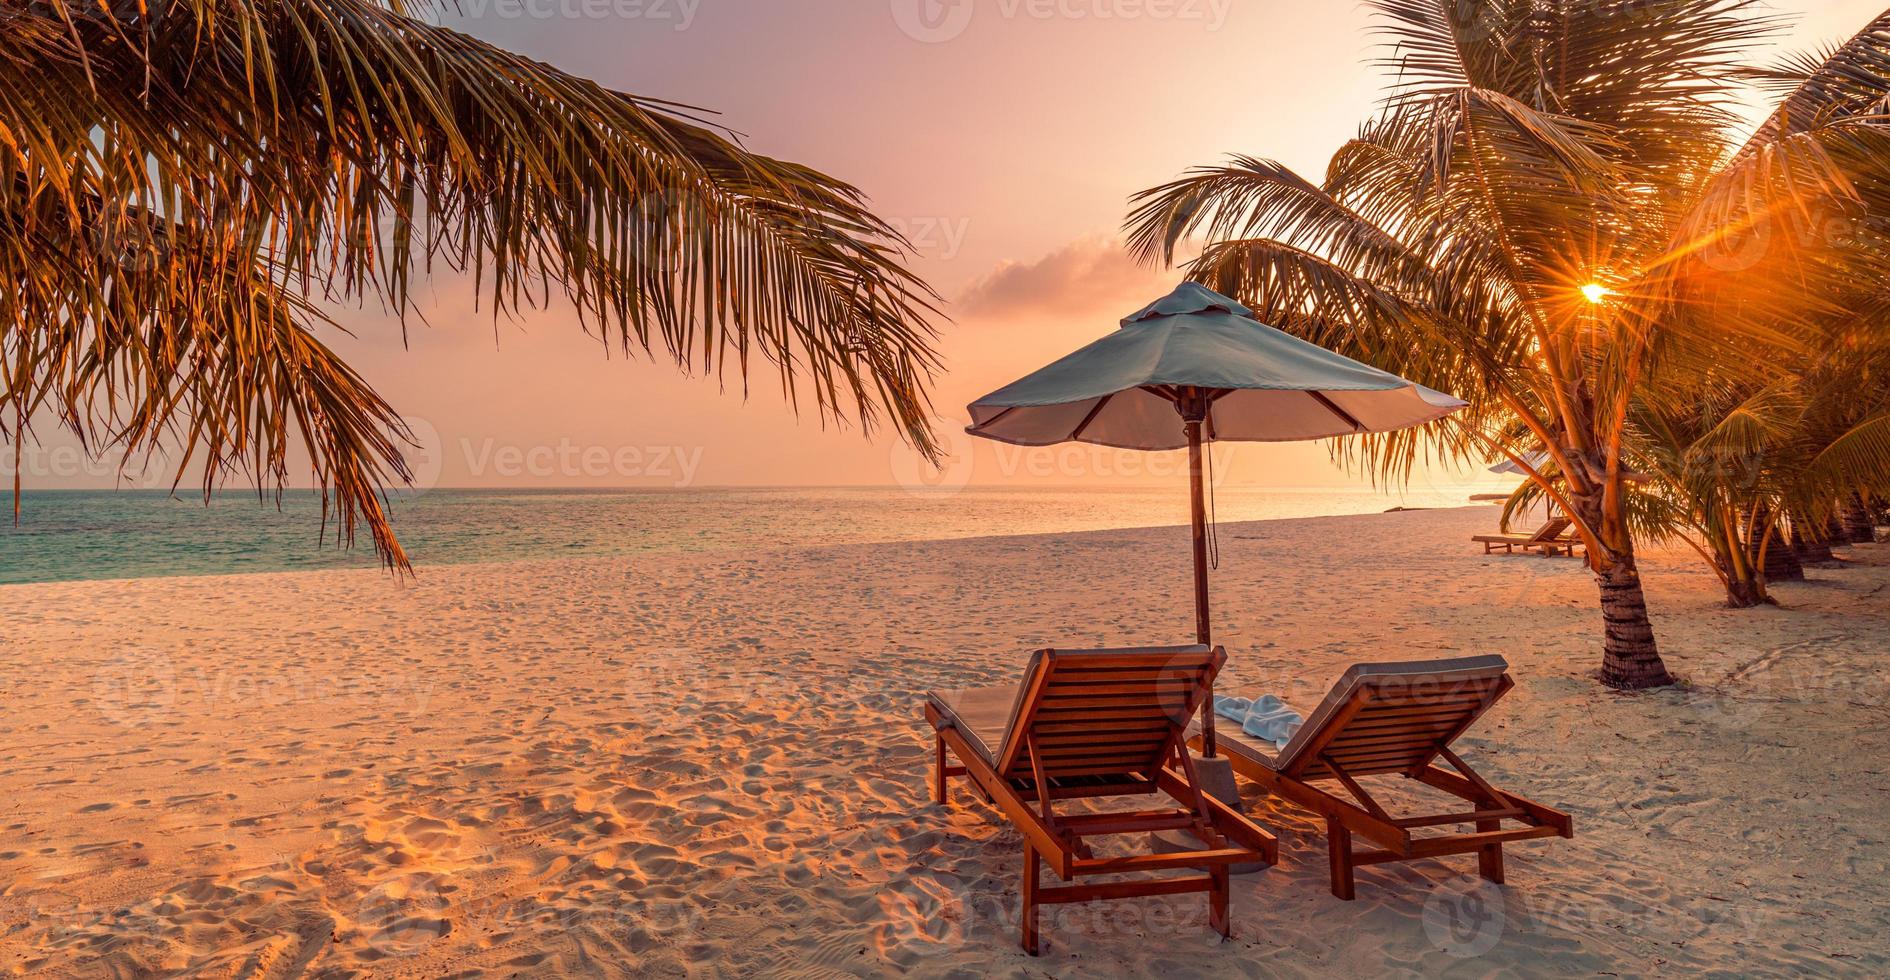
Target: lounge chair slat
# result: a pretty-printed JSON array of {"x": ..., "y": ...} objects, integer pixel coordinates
[
  {"x": 1419, "y": 730},
  {"x": 1427, "y": 731},
  {"x": 1367, "y": 767},
  {"x": 1409, "y": 700},
  {"x": 1464, "y": 699},
  {"x": 1102, "y": 739},
  {"x": 1121, "y": 717},
  {"x": 1151, "y": 702},
  {"x": 1123, "y": 675},
  {"x": 1104, "y": 736},
  {"x": 1160, "y": 862},
  {"x": 1064, "y": 788},
  {"x": 1432, "y": 719},
  {"x": 1180, "y": 661},
  {"x": 1378, "y": 755},
  {"x": 1418, "y": 716},
  {"x": 1137, "y": 822},
  {"x": 1176, "y": 687},
  {"x": 1468, "y": 816},
  {"x": 1053, "y": 729},
  {"x": 1098, "y": 766},
  {"x": 1384, "y": 739},
  {"x": 1082, "y": 820},
  {"x": 1108, "y": 891},
  {"x": 1460, "y": 843},
  {"x": 1127, "y": 758},
  {"x": 1095, "y": 770}
]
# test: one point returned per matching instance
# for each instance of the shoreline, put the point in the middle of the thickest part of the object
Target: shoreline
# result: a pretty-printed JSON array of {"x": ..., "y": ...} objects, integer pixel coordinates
[
  {"x": 714, "y": 764},
  {"x": 366, "y": 550}
]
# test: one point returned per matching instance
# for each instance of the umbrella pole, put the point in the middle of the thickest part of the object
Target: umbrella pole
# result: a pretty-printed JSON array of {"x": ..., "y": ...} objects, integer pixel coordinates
[{"x": 1202, "y": 631}]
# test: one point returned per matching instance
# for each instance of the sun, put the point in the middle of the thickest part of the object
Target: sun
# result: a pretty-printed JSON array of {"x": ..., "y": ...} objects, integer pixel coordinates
[{"x": 1596, "y": 292}]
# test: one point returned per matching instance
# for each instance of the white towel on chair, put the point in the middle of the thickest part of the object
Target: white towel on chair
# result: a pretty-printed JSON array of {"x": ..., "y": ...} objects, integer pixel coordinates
[{"x": 1269, "y": 718}]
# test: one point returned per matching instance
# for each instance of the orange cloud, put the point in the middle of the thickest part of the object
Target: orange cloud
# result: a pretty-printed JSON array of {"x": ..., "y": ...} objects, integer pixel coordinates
[{"x": 1082, "y": 275}]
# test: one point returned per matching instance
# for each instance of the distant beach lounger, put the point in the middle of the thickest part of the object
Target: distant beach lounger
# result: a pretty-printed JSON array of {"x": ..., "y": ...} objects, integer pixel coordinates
[
  {"x": 1397, "y": 718},
  {"x": 1091, "y": 724},
  {"x": 1553, "y": 538}
]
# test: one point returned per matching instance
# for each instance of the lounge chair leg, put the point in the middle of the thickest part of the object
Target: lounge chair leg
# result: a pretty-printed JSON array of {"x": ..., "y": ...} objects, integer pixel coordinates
[
  {"x": 1490, "y": 863},
  {"x": 938, "y": 778},
  {"x": 1217, "y": 903},
  {"x": 1030, "y": 900},
  {"x": 1340, "y": 841},
  {"x": 1490, "y": 858}
]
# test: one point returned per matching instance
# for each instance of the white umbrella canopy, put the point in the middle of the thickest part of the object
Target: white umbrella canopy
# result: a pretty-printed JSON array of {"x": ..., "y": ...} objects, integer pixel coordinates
[
  {"x": 1262, "y": 385},
  {"x": 1196, "y": 367}
]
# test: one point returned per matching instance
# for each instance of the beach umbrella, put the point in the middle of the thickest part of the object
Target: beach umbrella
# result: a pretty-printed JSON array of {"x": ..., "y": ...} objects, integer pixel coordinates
[{"x": 1196, "y": 367}]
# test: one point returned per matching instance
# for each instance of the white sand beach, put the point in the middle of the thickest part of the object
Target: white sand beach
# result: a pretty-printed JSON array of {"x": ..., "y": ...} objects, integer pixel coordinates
[{"x": 716, "y": 766}]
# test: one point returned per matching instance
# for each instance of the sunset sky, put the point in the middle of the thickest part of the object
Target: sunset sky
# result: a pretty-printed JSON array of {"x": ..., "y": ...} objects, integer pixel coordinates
[{"x": 1004, "y": 137}]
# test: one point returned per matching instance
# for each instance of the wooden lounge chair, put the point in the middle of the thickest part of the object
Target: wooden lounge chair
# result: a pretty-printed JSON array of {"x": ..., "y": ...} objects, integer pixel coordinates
[
  {"x": 1092, "y": 724},
  {"x": 1556, "y": 537},
  {"x": 1397, "y": 718}
]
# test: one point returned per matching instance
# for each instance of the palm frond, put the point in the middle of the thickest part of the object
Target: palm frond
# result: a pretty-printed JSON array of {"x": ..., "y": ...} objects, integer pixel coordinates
[{"x": 339, "y": 149}]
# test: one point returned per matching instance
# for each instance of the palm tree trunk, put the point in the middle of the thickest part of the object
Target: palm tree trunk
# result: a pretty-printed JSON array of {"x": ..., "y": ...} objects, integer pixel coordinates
[
  {"x": 1770, "y": 554},
  {"x": 1742, "y": 590},
  {"x": 1810, "y": 550},
  {"x": 1859, "y": 526},
  {"x": 1781, "y": 562},
  {"x": 1630, "y": 659}
]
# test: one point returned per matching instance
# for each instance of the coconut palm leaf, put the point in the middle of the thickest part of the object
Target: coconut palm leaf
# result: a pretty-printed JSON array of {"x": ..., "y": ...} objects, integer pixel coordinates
[
  {"x": 178, "y": 342},
  {"x": 339, "y": 148}
]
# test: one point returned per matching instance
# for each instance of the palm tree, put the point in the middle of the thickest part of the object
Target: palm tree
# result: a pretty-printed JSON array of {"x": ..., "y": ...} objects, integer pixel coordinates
[
  {"x": 190, "y": 185},
  {"x": 1541, "y": 221},
  {"x": 1731, "y": 476}
]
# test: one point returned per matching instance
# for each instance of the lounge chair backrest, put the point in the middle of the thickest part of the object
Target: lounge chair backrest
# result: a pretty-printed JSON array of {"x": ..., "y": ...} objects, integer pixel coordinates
[
  {"x": 1553, "y": 529},
  {"x": 1394, "y": 717},
  {"x": 1105, "y": 712}
]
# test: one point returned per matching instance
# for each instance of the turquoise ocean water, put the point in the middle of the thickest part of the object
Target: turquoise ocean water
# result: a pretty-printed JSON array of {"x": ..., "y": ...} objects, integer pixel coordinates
[{"x": 67, "y": 535}]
